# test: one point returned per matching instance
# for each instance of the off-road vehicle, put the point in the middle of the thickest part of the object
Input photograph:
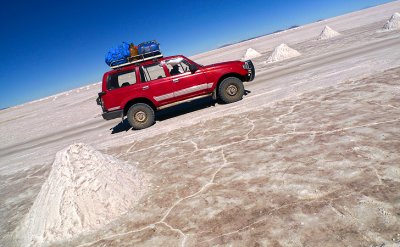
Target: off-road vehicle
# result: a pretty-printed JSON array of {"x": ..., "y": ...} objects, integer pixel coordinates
[{"x": 140, "y": 87}]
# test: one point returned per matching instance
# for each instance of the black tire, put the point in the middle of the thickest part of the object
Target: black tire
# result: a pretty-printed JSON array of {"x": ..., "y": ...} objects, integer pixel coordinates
[
  {"x": 140, "y": 116},
  {"x": 231, "y": 90}
]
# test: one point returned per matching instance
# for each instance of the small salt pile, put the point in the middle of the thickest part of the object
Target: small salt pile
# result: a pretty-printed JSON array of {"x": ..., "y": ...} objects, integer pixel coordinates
[
  {"x": 250, "y": 54},
  {"x": 282, "y": 52},
  {"x": 85, "y": 190},
  {"x": 393, "y": 23},
  {"x": 328, "y": 33}
]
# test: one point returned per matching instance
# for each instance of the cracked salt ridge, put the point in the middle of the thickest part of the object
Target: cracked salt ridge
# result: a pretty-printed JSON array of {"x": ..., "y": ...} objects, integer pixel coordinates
[
  {"x": 163, "y": 219},
  {"x": 291, "y": 109},
  {"x": 269, "y": 137},
  {"x": 274, "y": 210}
]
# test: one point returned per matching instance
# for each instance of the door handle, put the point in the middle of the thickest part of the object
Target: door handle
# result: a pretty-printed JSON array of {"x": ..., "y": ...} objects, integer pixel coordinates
[
  {"x": 175, "y": 80},
  {"x": 145, "y": 87}
]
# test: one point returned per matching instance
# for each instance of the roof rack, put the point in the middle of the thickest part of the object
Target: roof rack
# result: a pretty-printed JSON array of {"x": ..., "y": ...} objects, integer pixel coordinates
[{"x": 137, "y": 59}]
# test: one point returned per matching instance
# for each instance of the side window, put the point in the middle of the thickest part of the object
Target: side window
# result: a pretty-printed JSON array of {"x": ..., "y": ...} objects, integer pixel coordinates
[
  {"x": 127, "y": 79},
  {"x": 177, "y": 66},
  {"x": 123, "y": 79},
  {"x": 151, "y": 72}
]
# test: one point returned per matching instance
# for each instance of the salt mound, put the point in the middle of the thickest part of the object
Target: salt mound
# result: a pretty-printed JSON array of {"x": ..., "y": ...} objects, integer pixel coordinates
[
  {"x": 393, "y": 23},
  {"x": 282, "y": 52},
  {"x": 84, "y": 191},
  {"x": 250, "y": 54},
  {"x": 328, "y": 33}
]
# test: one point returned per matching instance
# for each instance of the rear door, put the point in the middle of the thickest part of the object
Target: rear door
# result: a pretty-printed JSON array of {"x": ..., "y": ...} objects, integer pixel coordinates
[
  {"x": 155, "y": 84},
  {"x": 120, "y": 85},
  {"x": 186, "y": 84}
]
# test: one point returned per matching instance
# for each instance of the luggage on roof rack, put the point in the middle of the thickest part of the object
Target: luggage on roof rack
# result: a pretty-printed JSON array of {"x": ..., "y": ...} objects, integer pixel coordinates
[
  {"x": 133, "y": 50},
  {"x": 137, "y": 59},
  {"x": 118, "y": 55},
  {"x": 126, "y": 54},
  {"x": 149, "y": 48}
]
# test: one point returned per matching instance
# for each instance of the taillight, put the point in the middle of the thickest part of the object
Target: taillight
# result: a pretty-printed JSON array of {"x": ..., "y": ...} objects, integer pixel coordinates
[{"x": 99, "y": 99}]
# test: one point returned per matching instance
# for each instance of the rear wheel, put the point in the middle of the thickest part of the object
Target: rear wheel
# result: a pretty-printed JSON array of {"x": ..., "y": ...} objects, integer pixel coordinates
[
  {"x": 231, "y": 90},
  {"x": 140, "y": 116}
]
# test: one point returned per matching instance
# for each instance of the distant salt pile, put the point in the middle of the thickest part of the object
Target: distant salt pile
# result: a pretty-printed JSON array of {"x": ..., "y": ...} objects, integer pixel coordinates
[
  {"x": 328, "y": 33},
  {"x": 282, "y": 52},
  {"x": 84, "y": 191},
  {"x": 393, "y": 23},
  {"x": 250, "y": 54}
]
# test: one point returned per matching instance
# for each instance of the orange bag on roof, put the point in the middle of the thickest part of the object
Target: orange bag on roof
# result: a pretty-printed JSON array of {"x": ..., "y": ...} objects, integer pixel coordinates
[{"x": 133, "y": 50}]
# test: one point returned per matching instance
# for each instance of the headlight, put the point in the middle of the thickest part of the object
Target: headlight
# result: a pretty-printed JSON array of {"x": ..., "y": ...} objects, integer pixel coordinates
[{"x": 246, "y": 65}]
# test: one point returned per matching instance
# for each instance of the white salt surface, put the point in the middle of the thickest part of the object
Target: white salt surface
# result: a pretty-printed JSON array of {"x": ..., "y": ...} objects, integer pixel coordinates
[
  {"x": 393, "y": 23},
  {"x": 84, "y": 191},
  {"x": 328, "y": 33},
  {"x": 33, "y": 134},
  {"x": 250, "y": 54},
  {"x": 282, "y": 52}
]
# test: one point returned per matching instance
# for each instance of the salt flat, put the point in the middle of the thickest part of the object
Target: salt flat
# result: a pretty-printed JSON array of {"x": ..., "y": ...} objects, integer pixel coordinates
[{"x": 312, "y": 149}]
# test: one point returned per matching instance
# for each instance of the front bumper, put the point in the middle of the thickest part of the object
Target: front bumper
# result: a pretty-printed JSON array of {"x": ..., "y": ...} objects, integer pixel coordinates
[
  {"x": 251, "y": 71},
  {"x": 113, "y": 114}
]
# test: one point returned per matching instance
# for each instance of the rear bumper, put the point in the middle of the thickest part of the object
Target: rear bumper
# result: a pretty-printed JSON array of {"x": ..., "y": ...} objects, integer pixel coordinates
[
  {"x": 113, "y": 114},
  {"x": 251, "y": 71}
]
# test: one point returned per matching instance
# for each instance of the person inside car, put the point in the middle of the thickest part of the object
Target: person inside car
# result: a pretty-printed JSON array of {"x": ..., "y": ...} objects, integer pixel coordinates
[{"x": 175, "y": 70}]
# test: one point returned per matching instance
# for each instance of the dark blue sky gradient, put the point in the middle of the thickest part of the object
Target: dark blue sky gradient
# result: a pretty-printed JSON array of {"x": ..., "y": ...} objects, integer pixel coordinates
[{"x": 51, "y": 46}]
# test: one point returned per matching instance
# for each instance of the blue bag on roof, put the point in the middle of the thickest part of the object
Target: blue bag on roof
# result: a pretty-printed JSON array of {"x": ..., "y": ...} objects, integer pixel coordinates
[
  {"x": 118, "y": 55},
  {"x": 149, "y": 48}
]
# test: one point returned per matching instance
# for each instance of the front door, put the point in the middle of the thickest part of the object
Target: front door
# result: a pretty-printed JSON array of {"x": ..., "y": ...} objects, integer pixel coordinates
[
  {"x": 155, "y": 84},
  {"x": 186, "y": 84}
]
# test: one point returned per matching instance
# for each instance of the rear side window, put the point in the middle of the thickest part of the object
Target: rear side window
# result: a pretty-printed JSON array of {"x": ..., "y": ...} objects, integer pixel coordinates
[
  {"x": 151, "y": 72},
  {"x": 123, "y": 79},
  {"x": 127, "y": 79}
]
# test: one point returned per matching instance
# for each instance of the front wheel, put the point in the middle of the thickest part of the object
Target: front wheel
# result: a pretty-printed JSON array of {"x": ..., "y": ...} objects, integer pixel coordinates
[
  {"x": 140, "y": 116},
  {"x": 231, "y": 90}
]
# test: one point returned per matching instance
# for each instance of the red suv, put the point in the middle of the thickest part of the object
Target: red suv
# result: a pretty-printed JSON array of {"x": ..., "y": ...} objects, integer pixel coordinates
[{"x": 139, "y": 89}]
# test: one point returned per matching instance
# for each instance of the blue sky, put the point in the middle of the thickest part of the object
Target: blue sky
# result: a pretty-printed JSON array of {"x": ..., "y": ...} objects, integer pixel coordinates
[{"x": 52, "y": 46}]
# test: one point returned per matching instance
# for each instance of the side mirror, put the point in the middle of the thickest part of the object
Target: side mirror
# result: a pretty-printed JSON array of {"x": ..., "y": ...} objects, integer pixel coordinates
[{"x": 193, "y": 68}]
